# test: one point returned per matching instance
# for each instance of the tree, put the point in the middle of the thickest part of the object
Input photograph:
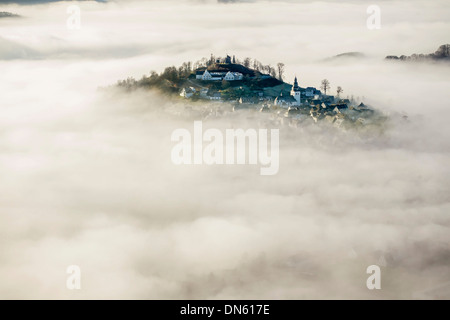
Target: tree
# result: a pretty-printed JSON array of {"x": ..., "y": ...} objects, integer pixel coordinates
[
  {"x": 339, "y": 90},
  {"x": 325, "y": 85},
  {"x": 270, "y": 70},
  {"x": 212, "y": 60},
  {"x": 128, "y": 84},
  {"x": 247, "y": 62},
  {"x": 258, "y": 66},
  {"x": 153, "y": 75},
  {"x": 273, "y": 72},
  {"x": 171, "y": 74},
  {"x": 280, "y": 66},
  {"x": 443, "y": 51},
  {"x": 181, "y": 71},
  {"x": 234, "y": 59}
]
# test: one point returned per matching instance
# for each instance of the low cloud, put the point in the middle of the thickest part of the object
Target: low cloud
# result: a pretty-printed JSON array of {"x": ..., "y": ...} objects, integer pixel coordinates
[{"x": 87, "y": 177}]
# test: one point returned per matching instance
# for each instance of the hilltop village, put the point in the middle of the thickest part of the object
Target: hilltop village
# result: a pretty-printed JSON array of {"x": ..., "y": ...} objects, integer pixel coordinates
[{"x": 226, "y": 80}]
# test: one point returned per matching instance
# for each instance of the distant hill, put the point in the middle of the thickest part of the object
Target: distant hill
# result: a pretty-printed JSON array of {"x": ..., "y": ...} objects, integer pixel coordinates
[
  {"x": 4, "y": 14},
  {"x": 442, "y": 54},
  {"x": 345, "y": 57}
]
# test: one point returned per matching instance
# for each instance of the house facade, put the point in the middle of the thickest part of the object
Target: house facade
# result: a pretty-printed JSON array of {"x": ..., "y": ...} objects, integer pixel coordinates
[
  {"x": 218, "y": 75},
  {"x": 311, "y": 92},
  {"x": 187, "y": 92},
  {"x": 233, "y": 76},
  {"x": 285, "y": 101}
]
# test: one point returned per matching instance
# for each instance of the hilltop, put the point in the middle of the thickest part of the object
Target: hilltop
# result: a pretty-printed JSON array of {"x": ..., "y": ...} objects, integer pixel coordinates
[
  {"x": 228, "y": 80},
  {"x": 346, "y": 56},
  {"x": 4, "y": 14},
  {"x": 441, "y": 54},
  {"x": 246, "y": 79}
]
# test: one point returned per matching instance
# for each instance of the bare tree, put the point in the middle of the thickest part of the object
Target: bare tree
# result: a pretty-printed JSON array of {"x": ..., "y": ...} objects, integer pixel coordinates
[
  {"x": 212, "y": 60},
  {"x": 260, "y": 67},
  {"x": 339, "y": 90},
  {"x": 273, "y": 72},
  {"x": 325, "y": 85},
  {"x": 203, "y": 62},
  {"x": 280, "y": 66},
  {"x": 256, "y": 65},
  {"x": 268, "y": 69},
  {"x": 247, "y": 62},
  {"x": 185, "y": 68}
]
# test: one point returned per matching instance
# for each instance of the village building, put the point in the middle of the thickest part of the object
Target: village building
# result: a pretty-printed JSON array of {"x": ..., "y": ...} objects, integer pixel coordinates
[
  {"x": 284, "y": 101},
  {"x": 297, "y": 104},
  {"x": 311, "y": 92},
  {"x": 233, "y": 76},
  {"x": 295, "y": 93},
  {"x": 327, "y": 99},
  {"x": 293, "y": 100},
  {"x": 346, "y": 101},
  {"x": 204, "y": 92},
  {"x": 215, "y": 96},
  {"x": 187, "y": 92},
  {"x": 248, "y": 100},
  {"x": 217, "y": 75}
]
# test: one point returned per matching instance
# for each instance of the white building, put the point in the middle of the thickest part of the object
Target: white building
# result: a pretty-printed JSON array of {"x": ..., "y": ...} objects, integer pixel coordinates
[
  {"x": 312, "y": 93},
  {"x": 213, "y": 76},
  {"x": 218, "y": 76},
  {"x": 215, "y": 96},
  {"x": 233, "y": 76},
  {"x": 285, "y": 101},
  {"x": 187, "y": 92},
  {"x": 292, "y": 100}
]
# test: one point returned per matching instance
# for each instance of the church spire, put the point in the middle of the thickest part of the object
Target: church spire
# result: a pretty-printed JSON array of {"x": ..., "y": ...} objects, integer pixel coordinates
[
  {"x": 296, "y": 87},
  {"x": 296, "y": 93}
]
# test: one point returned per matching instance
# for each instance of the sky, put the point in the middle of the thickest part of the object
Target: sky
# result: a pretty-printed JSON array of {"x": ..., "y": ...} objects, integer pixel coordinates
[{"x": 87, "y": 180}]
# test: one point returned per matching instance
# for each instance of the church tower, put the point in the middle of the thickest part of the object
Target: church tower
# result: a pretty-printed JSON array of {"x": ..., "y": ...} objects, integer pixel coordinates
[{"x": 295, "y": 92}]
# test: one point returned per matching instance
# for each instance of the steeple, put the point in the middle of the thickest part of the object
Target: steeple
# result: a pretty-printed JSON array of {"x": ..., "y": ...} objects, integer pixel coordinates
[
  {"x": 296, "y": 87},
  {"x": 295, "y": 92}
]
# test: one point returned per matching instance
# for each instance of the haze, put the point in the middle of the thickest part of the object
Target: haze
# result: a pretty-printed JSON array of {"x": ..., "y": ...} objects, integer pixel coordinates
[{"x": 86, "y": 176}]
